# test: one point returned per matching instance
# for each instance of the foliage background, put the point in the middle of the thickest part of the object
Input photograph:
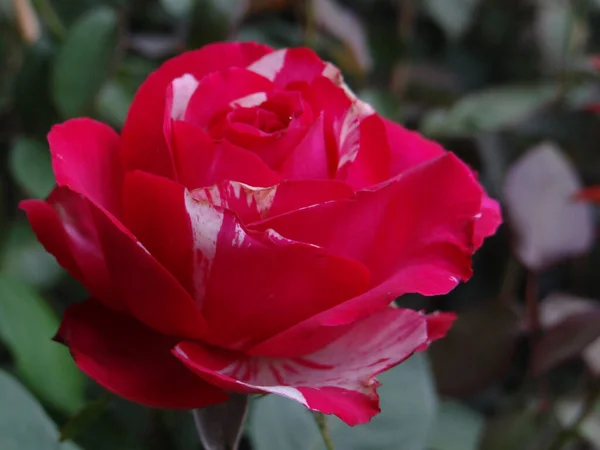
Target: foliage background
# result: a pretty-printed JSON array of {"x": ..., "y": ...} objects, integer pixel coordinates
[{"x": 490, "y": 79}]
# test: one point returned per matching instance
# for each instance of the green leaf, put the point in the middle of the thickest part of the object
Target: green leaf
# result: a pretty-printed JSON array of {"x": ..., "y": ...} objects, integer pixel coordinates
[
  {"x": 177, "y": 8},
  {"x": 30, "y": 166},
  {"x": 113, "y": 103},
  {"x": 27, "y": 325},
  {"x": 82, "y": 64},
  {"x": 490, "y": 110},
  {"x": 25, "y": 259},
  {"x": 83, "y": 418},
  {"x": 453, "y": 16},
  {"x": 457, "y": 427},
  {"x": 24, "y": 425},
  {"x": 408, "y": 407}
]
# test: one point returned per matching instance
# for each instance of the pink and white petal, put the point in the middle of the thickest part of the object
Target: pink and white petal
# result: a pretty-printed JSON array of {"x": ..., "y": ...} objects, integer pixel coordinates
[
  {"x": 337, "y": 379},
  {"x": 131, "y": 360},
  {"x": 364, "y": 157},
  {"x": 219, "y": 92},
  {"x": 156, "y": 217},
  {"x": 202, "y": 162},
  {"x": 260, "y": 284},
  {"x": 152, "y": 294},
  {"x": 86, "y": 158},
  {"x": 144, "y": 145},
  {"x": 65, "y": 227},
  {"x": 310, "y": 159},
  {"x": 415, "y": 222},
  {"x": 409, "y": 148},
  {"x": 289, "y": 65},
  {"x": 320, "y": 330},
  {"x": 253, "y": 204}
]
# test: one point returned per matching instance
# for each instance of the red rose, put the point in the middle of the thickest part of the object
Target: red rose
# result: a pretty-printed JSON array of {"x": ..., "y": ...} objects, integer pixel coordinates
[{"x": 248, "y": 231}]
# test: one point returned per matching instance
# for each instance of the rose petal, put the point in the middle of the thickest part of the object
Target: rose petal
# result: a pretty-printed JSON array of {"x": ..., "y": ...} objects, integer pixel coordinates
[
  {"x": 417, "y": 235},
  {"x": 409, "y": 148},
  {"x": 132, "y": 360},
  {"x": 151, "y": 293},
  {"x": 253, "y": 204},
  {"x": 217, "y": 91},
  {"x": 116, "y": 266},
  {"x": 310, "y": 159},
  {"x": 257, "y": 285},
  {"x": 338, "y": 379},
  {"x": 289, "y": 65},
  {"x": 424, "y": 218},
  {"x": 85, "y": 158},
  {"x": 249, "y": 285},
  {"x": 489, "y": 221},
  {"x": 144, "y": 145},
  {"x": 154, "y": 215},
  {"x": 201, "y": 162},
  {"x": 65, "y": 227},
  {"x": 364, "y": 156}
]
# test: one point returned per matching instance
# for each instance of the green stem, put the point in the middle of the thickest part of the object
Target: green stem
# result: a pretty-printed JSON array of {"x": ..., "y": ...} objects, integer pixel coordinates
[{"x": 321, "y": 421}]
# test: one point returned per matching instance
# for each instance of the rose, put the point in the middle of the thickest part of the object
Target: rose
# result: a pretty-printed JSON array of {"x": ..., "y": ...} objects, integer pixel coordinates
[{"x": 248, "y": 231}]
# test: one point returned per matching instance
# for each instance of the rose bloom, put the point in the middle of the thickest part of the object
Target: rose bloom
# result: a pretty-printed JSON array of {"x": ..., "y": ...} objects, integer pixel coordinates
[{"x": 248, "y": 231}]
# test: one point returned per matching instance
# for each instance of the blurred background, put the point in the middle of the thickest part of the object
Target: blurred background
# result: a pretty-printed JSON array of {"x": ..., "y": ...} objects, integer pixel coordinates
[{"x": 511, "y": 86}]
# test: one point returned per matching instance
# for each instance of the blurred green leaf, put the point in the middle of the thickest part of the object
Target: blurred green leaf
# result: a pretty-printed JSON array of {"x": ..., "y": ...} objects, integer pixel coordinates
[
  {"x": 457, "y": 427},
  {"x": 25, "y": 259},
  {"x": 464, "y": 365},
  {"x": 212, "y": 20},
  {"x": 27, "y": 325},
  {"x": 31, "y": 168},
  {"x": 523, "y": 429},
  {"x": 82, "y": 64},
  {"x": 24, "y": 425},
  {"x": 384, "y": 103},
  {"x": 490, "y": 110},
  {"x": 113, "y": 103},
  {"x": 408, "y": 405},
  {"x": 83, "y": 418},
  {"x": 32, "y": 91},
  {"x": 177, "y": 8},
  {"x": 453, "y": 16}
]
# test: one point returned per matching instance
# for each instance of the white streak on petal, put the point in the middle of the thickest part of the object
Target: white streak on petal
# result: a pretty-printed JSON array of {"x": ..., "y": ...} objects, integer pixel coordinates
[
  {"x": 288, "y": 392},
  {"x": 206, "y": 223},
  {"x": 258, "y": 98},
  {"x": 239, "y": 235},
  {"x": 269, "y": 65},
  {"x": 349, "y": 140},
  {"x": 183, "y": 88}
]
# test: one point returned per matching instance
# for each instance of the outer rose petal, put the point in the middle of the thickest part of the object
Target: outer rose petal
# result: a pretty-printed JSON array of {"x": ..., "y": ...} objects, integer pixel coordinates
[
  {"x": 116, "y": 266},
  {"x": 132, "y": 360},
  {"x": 252, "y": 204},
  {"x": 489, "y": 221},
  {"x": 201, "y": 162},
  {"x": 85, "y": 158},
  {"x": 409, "y": 148},
  {"x": 424, "y": 217},
  {"x": 65, "y": 227},
  {"x": 249, "y": 285},
  {"x": 417, "y": 235},
  {"x": 144, "y": 146},
  {"x": 338, "y": 379}
]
